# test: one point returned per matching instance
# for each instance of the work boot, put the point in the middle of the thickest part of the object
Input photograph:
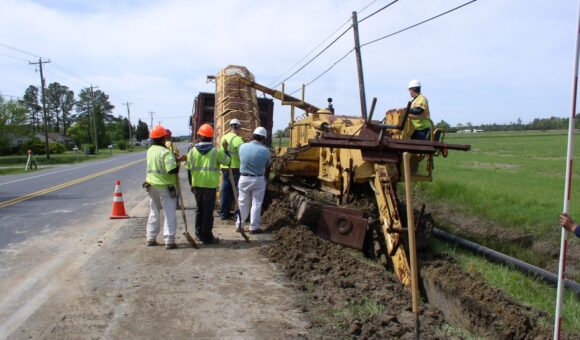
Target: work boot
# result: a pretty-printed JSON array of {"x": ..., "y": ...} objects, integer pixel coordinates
[
  {"x": 256, "y": 231},
  {"x": 151, "y": 243},
  {"x": 170, "y": 246}
]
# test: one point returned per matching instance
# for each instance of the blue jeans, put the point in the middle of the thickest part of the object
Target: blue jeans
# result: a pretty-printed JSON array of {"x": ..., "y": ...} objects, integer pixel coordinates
[
  {"x": 227, "y": 195},
  {"x": 421, "y": 134}
]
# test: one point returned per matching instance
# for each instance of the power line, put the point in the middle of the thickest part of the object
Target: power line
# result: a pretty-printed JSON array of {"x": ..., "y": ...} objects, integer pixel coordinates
[
  {"x": 316, "y": 56},
  {"x": 419, "y": 23},
  {"x": 13, "y": 57},
  {"x": 381, "y": 38},
  {"x": 317, "y": 46},
  {"x": 325, "y": 71},
  {"x": 377, "y": 11},
  {"x": 19, "y": 50}
]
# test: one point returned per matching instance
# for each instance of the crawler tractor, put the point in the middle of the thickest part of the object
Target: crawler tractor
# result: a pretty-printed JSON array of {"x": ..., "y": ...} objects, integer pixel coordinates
[{"x": 341, "y": 174}]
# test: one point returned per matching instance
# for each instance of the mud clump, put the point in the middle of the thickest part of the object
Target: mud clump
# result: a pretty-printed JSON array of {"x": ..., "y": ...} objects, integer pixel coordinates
[{"x": 346, "y": 295}]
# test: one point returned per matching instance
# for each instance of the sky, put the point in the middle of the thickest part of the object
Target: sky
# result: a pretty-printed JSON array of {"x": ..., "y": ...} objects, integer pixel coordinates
[{"x": 493, "y": 61}]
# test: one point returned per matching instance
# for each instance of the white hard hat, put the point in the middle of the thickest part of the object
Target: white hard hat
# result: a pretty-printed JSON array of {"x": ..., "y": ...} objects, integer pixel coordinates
[
  {"x": 414, "y": 83},
  {"x": 235, "y": 121},
  {"x": 261, "y": 131}
]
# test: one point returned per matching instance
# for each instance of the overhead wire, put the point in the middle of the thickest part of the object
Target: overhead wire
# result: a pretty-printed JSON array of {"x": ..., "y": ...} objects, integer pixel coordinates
[
  {"x": 315, "y": 48},
  {"x": 381, "y": 38},
  {"x": 13, "y": 57},
  {"x": 18, "y": 50},
  {"x": 377, "y": 11},
  {"x": 417, "y": 24}
]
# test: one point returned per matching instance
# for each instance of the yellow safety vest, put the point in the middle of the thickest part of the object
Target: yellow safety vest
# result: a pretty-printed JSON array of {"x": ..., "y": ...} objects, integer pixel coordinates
[
  {"x": 421, "y": 101},
  {"x": 234, "y": 142},
  {"x": 159, "y": 162},
  {"x": 205, "y": 168}
]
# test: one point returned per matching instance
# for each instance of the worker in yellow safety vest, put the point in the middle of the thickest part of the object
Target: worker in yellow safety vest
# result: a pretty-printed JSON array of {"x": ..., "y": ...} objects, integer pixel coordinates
[
  {"x": 419, "y": 112},
  {"x": 204, "y": 160},
  {"x": 160, "y": 184},
  {"x": 233, "y": 140}
]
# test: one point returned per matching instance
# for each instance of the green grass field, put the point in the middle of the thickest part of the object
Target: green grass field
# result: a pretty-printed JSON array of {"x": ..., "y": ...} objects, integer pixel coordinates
[
  {"x": 514, "y": 179},
  {"x": 517, "y": 181}
]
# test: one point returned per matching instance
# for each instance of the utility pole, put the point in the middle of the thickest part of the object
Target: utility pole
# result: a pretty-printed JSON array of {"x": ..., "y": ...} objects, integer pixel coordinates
[
  {"x": 39, "y": 63},
  {"x": 151, "y": 113},
  {"x": 361, "y": 80},
  {"x": 94, "y": 120},
  {"x": 129, "y": 119}
]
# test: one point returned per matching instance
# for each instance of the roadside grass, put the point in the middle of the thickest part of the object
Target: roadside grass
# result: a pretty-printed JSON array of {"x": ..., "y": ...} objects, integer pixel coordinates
[
  {"x": 514, "y": 179},
  {"x": 522, "y": 288},
  {"x": 15, "y": 164}
]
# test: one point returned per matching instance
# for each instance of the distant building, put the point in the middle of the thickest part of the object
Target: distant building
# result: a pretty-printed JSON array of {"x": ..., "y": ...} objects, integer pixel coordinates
[{"x": 54, "y": 137}]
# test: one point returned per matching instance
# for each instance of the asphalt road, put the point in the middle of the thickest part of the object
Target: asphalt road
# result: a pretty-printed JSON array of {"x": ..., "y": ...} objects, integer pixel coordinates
[{"x": 39, "y": 202}]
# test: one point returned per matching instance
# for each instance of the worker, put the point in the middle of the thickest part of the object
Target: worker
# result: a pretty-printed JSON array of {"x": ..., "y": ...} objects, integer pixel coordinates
[
  {"x": 31, "y": 160},
  {"x": 419, "y": 112},
  {"x": 254, "y": 159},
  {"x": 567, "y": 223},
  {"x": 171, "y": 146},
  {"x": 233, "y": 140},
  {"x": 160, "y": 184},
  {"x": 204, "y": 160}
]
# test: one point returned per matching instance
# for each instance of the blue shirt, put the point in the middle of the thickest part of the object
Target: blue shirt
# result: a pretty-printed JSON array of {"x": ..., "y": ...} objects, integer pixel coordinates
[
  {"x": 253, "y": 158},
  {"x": 577, "y": 231}
]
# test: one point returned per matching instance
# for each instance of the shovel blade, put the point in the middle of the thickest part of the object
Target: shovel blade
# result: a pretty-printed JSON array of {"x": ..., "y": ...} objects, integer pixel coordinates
[{"x": 190, "y": 239}]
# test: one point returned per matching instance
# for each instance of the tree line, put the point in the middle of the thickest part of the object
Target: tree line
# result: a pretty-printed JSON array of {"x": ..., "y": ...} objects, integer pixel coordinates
[
  {"x": 81, "y": 118},
  {"x": 538, "y": 124}
]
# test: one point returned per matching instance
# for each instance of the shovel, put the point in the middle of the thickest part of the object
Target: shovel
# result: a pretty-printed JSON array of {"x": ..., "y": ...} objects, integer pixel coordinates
[
  {"x": 237, "y": 213},
  {"x": 186, "y": 233}
]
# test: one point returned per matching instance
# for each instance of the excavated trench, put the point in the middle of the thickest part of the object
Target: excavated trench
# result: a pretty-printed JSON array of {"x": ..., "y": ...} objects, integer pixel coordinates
[{"x": 346, "y": 295}]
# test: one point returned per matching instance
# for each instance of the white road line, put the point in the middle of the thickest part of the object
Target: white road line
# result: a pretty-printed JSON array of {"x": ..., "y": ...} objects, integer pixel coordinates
[{"x": 67, "y": 169}]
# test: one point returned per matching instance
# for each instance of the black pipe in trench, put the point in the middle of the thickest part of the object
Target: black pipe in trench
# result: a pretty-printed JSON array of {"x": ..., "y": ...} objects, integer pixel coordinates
[{"x": 522, "y": 266}]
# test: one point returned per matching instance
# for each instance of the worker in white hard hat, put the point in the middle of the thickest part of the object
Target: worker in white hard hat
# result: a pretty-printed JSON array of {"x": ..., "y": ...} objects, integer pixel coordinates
[
  {"x": 254, "y": 160},
  {"x": 231, "y": 141},
  {"x": 419, "y": 109}
]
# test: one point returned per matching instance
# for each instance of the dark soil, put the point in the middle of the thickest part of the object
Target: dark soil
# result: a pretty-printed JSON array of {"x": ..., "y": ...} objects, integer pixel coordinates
[
  {"x": 345, "y": 295},
  {"x": 348, "y": 296}
]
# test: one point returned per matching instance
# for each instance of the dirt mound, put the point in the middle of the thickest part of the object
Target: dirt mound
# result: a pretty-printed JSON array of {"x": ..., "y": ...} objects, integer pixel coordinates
[
  {"x": 345, "y": 294},
  {"x": 466, "y": 300}
]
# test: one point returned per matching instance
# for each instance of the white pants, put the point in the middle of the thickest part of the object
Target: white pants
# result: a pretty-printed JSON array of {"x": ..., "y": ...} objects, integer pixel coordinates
[
  {"x": 251, "y": 194},
  {"x": 161, "y": 199}
]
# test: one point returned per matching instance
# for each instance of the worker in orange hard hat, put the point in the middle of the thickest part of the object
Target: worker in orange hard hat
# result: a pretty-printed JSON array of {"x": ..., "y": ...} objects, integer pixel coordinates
[
  {"x": 160, "y": 183},
  {"x": 204, "y": 160}
]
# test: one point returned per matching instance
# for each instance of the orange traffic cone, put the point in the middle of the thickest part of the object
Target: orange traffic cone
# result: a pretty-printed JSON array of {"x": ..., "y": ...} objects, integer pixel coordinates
[{"x": 118, "y": 205}]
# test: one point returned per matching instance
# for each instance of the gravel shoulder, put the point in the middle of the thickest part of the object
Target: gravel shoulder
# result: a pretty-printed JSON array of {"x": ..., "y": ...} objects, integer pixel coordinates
[{"x": 97, "y": 279}]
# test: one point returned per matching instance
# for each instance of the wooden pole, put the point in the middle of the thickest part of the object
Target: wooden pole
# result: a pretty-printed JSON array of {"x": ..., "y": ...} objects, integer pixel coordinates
[{"x": 412, "y": 244}]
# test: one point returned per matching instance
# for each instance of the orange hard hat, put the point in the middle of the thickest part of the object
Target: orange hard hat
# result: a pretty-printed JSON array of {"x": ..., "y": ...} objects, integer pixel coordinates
[
  {"x": 205, "y": 130},
  {"x": 168, "y": 133},
  {"x": 158, "y": 132}
]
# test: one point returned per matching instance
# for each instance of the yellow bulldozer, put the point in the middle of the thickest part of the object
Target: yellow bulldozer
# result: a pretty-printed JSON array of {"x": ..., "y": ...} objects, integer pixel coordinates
[{"x": 341, "y": 174}]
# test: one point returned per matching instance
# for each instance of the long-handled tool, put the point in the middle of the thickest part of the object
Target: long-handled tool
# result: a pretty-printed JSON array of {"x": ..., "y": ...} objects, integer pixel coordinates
[
  {"x": 186, "y": 233},
  {"x": 237, "y": 213},
  {"x": 412, "y": 247}
]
